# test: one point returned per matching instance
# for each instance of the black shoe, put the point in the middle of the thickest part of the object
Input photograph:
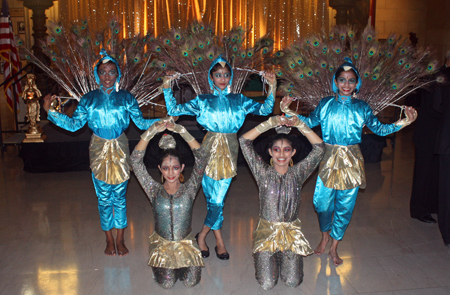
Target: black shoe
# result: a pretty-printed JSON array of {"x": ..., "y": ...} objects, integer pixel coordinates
[
  {"x": 205, "y": 254},
  {"x": 223, "y": 256},
  {"x": 426, "y": 219}
]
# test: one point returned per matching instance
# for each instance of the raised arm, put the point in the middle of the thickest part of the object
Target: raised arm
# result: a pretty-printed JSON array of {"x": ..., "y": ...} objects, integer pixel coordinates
[{"x": 77, "y": 121}]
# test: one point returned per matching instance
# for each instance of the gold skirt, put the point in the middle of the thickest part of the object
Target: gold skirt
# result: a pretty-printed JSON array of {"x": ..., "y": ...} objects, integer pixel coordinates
[
  {"x": 280, "y": 236},
  {"x": 174, "y": 254},
  {"x": 342, "y": 167},
  {"x": 110, "y": 159},
  {"x": 223, "y": 151}
]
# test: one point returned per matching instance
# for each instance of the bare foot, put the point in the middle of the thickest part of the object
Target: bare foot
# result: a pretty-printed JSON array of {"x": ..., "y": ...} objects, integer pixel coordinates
[
  {"x": 323, "y": 243},
  {"x": 121, "y": 248},
  {"x": 110, "y": 248},
  {"x": 336, "y": 259}
]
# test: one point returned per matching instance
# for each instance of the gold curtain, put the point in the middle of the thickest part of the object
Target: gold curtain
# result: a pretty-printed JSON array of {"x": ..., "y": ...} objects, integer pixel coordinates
[{"x": 286, "y": 20}]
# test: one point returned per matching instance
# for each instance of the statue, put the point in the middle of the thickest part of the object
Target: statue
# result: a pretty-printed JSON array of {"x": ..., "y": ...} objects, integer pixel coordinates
[{"x": 31, "y": 95}]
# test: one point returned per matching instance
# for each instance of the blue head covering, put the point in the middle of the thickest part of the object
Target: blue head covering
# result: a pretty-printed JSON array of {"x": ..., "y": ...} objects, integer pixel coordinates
[
  {"x": 347, "y": 65},
  {"x": 221, "y": 60},
  {"x": 106, "y": 57}
]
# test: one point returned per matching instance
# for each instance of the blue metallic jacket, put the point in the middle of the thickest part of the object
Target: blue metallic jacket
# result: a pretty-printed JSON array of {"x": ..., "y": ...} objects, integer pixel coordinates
[
  {"x": 342, "y": 121},
  {"x": 222, "y": 111},
  {"x": 107, "y": 115}
]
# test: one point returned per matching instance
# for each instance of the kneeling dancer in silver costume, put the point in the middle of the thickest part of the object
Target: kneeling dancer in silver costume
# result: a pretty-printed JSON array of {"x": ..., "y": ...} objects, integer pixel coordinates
[
  {"x": 174, "y": 253},
  {"x": 278, "y": 242}
]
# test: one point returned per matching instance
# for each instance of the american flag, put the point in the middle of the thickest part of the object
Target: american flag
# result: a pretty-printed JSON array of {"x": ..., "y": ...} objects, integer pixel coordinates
[{"x": 8, "y": 53}]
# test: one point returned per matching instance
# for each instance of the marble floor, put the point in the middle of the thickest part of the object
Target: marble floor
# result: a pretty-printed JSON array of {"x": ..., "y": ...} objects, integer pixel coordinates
[{"x": 52, "y": 243}]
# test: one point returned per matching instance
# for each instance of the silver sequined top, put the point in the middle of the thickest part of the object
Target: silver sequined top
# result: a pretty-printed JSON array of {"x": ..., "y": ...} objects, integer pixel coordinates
[
  {"x": 173, "y": 213},
  {"x": 279, "y": 195}
]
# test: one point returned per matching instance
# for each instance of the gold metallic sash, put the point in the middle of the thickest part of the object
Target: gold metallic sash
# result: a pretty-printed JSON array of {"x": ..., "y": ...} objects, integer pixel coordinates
[
  {"x": 342, "y": 167},
  {"x": 174, "y": 254},
  {"x": 223, "y": 149},
  {"x": 280, "y": 236},
  {"x": 110, "y": 159}
]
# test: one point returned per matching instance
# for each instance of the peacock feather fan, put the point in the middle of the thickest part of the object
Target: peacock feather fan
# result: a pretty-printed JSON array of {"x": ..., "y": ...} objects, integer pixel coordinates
[
  {"x": 389, "y": 69},
  {"x": 74, "y": 51}
]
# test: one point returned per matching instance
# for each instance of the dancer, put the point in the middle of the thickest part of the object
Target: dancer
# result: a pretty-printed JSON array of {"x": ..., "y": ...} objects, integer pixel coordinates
[
  {"x": 278, "y": 243},
  {"x": 174, "y": 254},
  {"x": 221, "y": 113},
  {"x": 107, "y": 111},
  {"x": 341, "y": 173}
]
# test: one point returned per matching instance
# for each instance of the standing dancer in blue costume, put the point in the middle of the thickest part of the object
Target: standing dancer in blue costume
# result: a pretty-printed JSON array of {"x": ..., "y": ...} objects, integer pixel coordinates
[
  {"x": 341, "y": 173},
  {"x": 222, "y": 113},
  {"x": 107, "y": 111}
]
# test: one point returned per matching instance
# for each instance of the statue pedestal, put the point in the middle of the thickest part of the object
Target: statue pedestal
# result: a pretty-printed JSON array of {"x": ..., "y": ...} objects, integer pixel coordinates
[
  {"x": 34, "y": 138},
  {"x": 34, "y": 134}
]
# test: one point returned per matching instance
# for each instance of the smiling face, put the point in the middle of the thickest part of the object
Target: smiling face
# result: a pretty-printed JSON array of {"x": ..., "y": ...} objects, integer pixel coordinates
[
  {"x": 281, "y": 153},
  {"x": 171, "y": 169},
  {"x": 107, "y": 74},
  {"x": 221, "y": 78},
  {"x": 346, "y": 83}
]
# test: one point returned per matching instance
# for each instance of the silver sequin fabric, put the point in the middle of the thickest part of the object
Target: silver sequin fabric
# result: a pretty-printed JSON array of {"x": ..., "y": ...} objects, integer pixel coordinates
[
  {"x": 173, "y": 213},
  {"x": 279, "y": 201},
  {"x": 280, "y": 195}
]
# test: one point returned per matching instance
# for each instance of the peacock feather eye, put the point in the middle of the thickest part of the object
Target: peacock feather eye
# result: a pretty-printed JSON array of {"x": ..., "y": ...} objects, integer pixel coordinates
[
  {"x": 63, "y": 60},
  {"x": 389, "y": 54},
  {"x": 159, "y": 79},
  {"x": 342, "y": 37},
  {"x": 208, "y": 42},
  {"x": 136, "y": 59},
  {"x": 202, "y": 28},
  {"x": 369, "y": 38},
  {"x": 116, "y": 31},
  {"x": 366, "y": 75},
  {"x": 52, "y": 39},
  {"x": 279, "y": 53},
  {"x": 185, "y": 53},
  {"x": 289, "y": 89},
  {"x": 210, "y": 56},
  {"x": 233, "y": 40},
  {"x": 163, "y": 65},
  {"x": 158, "y": 48},
  {"x": 310, "y": 73},
  {"x": 201, "y": 45},
  {"x": 97, "y": 43},
  {"x": 307, "y": 41},
  {"x": 58, "y": 30},
  {"x": 394, "y": 86},
  {"x": 301, "y": 76},
  {"x": 351, "y": 34},
  {"x": 407, "y": 66},
  {"x": 331, "y": 69},
  {"x": 75, "y": 31},
  {"x": 177, "y": 36},
  {"x": 200, "y": 58},
  {"x": 292, "y": 65},
  {"x": 291, "y": 85},
  {"x": 323, "y": 65},
  {"x": 27, "y": 56},
  {"x": 243, "y": 55},
  {"x": 54, "y": 58},
  {"x": 279, "y": 73},
  {"x": 355, "y": 56},
  {"x": 83, "y": 28},
  {"x": 235, "y": 49},
  {"x": 194, "y": 63},
  {"x": 20, "y": 42},
  {"x": 401, "y": 62},
  {"x": 300, "y": 61},
  {"x": 375, "y": 77},
  {"x": 167, "y": 41},
  {"x": 371, "y": 52},
  {"x": 317, "y": 73},
  {"x": 338, "y": 50},
  {"x": 249, "y": 54},
  {"x": 265, "y": 50},
  {"x": 403, "y": 51},
  {"x": 316, "y": 43}
]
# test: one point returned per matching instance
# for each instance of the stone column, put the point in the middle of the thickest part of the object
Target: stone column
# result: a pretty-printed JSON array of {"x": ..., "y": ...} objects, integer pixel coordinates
[
  {"x": 39, "y": 34},
  {"x": 342, "y": 7}
]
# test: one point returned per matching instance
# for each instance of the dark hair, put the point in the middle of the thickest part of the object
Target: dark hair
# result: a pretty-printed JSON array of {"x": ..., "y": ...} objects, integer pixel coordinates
[
  {"x": 281, "y": 136},
  {"x": 170, "y": 152},
  {"x": 218, "y": 66},
  {"x": 340, "y": 70},
  {"x": 109, "y": 62}
]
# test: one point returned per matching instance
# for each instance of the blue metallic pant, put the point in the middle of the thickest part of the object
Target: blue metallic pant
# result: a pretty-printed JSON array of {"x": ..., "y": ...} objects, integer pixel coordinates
[
  {"x": 341, "y": 202},
  {"x": 112, "y": 204},
  {"x": 215, "y": 192}
]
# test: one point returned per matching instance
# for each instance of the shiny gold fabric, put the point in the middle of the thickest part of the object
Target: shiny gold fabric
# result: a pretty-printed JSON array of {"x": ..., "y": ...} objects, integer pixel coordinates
[
  {"x": 280, "y": 236},
  {"x": 223, "y": 149},
  {"x": 110, "y": 159},
  {"x": 342, "y": 167},
  {"x": 174, "y": 254}
]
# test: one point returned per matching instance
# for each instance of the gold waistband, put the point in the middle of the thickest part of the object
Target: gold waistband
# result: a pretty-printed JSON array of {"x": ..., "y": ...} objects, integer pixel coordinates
[
  {"x": 280, "y": 236},
  {"x": 342, "y": 167},
  {"x": 174, "y": 254},
  {"x": 223, "y": 151},
  {"x": 110, "y": 159}
]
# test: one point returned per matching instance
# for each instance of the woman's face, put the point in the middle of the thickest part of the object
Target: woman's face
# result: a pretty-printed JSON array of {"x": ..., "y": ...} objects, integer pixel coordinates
[
  {"x": 171, "y": 169},
  {"x": 282, "y": 152},
  {"x": 107, "y": 74},
  {"x": 346, "y": 83},
  {"x": 221, "y": 78}
]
